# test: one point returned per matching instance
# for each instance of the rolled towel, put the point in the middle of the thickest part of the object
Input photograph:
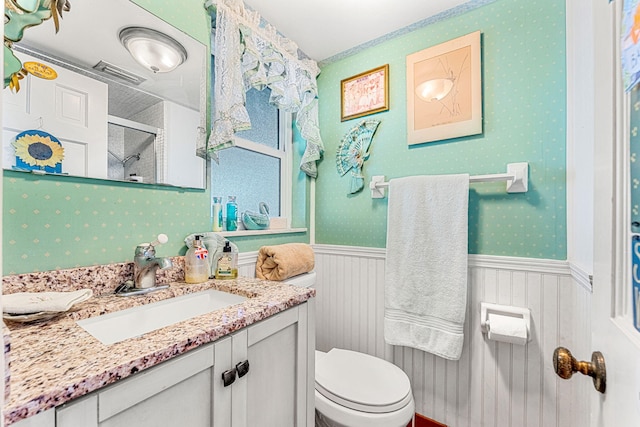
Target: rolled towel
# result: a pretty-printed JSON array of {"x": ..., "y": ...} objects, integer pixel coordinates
[
  {"x": 279, "y": 262},
  {"x": 36, "y": 302}
]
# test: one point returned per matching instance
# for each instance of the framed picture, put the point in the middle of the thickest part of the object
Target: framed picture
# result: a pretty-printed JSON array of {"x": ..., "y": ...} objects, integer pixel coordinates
[
  {"x": 444, "y": 91},
  {"x": 365, "y": 93}
]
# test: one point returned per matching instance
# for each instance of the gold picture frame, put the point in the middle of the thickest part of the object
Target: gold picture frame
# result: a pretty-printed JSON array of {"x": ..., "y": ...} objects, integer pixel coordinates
[
  {"x": 444, "y": 91},
  {"x": 365, "y": 93}
]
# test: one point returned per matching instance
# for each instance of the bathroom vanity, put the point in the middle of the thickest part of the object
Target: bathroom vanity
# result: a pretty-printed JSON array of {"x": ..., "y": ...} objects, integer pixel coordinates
[{"x": 235, "y": 366}]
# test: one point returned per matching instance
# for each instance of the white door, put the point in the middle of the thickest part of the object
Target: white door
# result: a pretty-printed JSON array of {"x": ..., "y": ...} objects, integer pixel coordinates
[
  {"x": 72, "y": 107},
  {"x": 613, "y": 332}
]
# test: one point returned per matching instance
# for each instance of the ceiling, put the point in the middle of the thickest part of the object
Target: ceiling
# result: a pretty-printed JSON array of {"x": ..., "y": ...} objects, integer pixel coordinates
[{"x": 328, "y": 28}]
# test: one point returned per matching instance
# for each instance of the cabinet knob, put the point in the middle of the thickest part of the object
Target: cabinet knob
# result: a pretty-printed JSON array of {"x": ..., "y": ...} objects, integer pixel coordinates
[
  {"x": 242, "y": 368},
  {"x": 228, "y": 377}
]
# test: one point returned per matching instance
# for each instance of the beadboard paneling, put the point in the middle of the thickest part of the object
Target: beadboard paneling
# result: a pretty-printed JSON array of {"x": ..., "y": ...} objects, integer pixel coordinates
[
  {"x": 247, "y": 264},
  {"x": 493, "y": 384}
]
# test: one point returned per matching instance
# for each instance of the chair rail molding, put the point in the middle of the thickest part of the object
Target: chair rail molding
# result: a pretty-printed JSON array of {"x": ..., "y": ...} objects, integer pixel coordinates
[{"x": 535, "y": 265}]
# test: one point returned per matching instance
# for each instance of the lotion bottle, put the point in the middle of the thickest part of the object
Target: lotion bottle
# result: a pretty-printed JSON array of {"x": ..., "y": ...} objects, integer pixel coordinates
[{"x": 217, "y": 213}]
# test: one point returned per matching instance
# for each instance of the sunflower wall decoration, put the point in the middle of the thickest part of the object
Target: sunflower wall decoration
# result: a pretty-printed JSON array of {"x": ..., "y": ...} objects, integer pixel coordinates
[{"x": 38, "y": 150}]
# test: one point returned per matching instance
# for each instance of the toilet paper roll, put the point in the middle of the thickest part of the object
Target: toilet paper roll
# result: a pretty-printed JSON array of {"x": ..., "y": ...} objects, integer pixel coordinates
[{"x": 507, "y": 329}]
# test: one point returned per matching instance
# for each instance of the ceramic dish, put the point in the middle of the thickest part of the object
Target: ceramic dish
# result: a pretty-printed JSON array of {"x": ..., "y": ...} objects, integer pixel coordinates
[{"x": 31, "y": 317}]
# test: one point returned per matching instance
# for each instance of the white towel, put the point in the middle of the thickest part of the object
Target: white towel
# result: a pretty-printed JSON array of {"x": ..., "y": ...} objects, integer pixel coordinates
[
  {"x": 36, "y": 302},
  {"x": 426, "y": 263}
]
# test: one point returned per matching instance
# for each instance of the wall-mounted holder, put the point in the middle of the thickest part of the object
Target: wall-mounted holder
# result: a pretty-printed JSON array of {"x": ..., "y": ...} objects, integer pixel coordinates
[
  {"x": 505, "y": 323},
  {"x": 377, "y": 190},
  {"x": 517, "y": 178}
]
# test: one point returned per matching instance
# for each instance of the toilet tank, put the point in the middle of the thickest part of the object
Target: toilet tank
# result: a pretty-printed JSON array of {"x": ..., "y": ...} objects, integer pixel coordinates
[{"x": 305, "y": 280}]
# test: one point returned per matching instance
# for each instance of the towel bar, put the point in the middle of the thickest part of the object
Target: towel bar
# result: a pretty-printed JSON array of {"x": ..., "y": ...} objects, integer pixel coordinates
[{"x": 517, "y": 178}]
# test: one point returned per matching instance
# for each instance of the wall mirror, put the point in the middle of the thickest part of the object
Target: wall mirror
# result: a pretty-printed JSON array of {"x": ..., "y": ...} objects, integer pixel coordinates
[{"x": 113, "y": 118}]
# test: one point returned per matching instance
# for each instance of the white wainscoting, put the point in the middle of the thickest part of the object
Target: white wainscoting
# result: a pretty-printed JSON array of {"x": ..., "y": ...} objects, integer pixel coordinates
[
  {"x": 493, "y": 384},
  {"x": 247, "y": 264}
]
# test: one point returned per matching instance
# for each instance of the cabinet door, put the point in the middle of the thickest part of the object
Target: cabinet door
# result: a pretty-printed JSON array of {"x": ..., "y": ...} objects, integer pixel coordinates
[
  {"x": 271, "y": 383},
  {"x": 274, "y": 391},
  {"x": 178, "y": 392},
  {"x": 80, "y": 412},
  {"x": 222, "y": 395},
  {"x": 43, "y": 419}
]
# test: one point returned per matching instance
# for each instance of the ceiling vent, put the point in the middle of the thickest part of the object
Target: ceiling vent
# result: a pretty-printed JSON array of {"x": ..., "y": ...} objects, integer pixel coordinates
[{"x": 118, "y": 73}]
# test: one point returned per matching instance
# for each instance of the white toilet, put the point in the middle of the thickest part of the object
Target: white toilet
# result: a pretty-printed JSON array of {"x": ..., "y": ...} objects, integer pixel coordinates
[{"x": 358, "y": 390}]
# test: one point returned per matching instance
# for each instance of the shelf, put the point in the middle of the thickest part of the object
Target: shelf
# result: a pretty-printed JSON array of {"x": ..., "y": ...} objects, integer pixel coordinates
[{"x": 240, "y": 233}]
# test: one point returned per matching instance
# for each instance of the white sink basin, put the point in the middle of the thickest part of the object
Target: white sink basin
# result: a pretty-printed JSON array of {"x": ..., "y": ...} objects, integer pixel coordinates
[{"x": 132, "y": 322}]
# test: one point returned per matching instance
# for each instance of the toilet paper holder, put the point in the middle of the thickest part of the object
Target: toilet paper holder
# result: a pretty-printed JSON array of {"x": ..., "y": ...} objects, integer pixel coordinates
[{"x": 504, "y": 310}]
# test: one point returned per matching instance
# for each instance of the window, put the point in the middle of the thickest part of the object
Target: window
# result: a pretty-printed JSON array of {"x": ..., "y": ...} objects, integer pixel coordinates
[{"x": 258, "y": 168}]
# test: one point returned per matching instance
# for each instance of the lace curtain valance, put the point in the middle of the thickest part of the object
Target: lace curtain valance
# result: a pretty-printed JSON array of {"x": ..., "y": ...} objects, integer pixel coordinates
[{"x": 248, "y": 55}]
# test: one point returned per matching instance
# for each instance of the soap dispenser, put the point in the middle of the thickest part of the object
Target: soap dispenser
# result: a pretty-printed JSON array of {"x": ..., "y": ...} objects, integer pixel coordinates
[
  {"x": 227, "y": 267},
  {"x": 196, "y": 262}
]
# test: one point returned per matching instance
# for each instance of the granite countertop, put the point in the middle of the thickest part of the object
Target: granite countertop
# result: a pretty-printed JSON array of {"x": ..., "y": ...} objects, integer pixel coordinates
[{"x": 55, "y": 361}]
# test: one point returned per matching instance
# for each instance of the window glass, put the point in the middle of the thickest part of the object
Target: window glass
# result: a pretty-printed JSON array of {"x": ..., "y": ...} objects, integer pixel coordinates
[
  {"x": 264, "y": 119},
  {"x": 251, "y": 177},
  {"x": 252, "y": 170}
]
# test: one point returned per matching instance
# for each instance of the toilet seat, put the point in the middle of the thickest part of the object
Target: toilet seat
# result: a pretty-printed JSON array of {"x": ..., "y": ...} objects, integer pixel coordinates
[{"x": 362, "y": 382}]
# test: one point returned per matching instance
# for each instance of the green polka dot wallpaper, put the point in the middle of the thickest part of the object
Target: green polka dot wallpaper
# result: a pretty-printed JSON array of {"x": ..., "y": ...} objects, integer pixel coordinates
[
  {"x": 49, "y": 223},
  {"x": 524, "y": 110}
]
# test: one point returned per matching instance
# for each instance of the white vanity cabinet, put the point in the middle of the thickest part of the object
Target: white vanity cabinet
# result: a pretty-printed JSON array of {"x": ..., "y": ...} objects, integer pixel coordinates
[{"x": 277, "y": 389}]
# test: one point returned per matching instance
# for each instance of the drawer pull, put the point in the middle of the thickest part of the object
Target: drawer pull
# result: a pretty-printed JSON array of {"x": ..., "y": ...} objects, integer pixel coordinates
[
  {"x": 242, "y": 368},
  {"x": 228, "y": 377}
]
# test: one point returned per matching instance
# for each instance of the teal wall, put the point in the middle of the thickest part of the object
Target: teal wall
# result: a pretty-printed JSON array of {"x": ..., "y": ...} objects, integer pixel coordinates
[
  {"x": 54, "y": 222},
  {"x": 524, "y": 91}
]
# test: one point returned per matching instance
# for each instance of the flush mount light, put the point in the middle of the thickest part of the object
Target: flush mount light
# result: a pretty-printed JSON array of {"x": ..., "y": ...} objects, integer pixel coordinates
[
  {"x": 152, "y": 49},
  {"x": 434, "y": 90}
]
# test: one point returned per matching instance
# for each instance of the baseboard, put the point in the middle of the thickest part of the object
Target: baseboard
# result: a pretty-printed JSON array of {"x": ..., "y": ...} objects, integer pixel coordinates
[{"x": 422, "y": 421}]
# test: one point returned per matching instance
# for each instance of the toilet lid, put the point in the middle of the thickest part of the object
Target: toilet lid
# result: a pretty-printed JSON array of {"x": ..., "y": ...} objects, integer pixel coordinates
[{"x": 362, "y": 382}]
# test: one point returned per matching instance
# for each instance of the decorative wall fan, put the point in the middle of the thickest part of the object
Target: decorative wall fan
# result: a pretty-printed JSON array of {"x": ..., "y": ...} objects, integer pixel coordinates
[{"x": 354, "y": 150}]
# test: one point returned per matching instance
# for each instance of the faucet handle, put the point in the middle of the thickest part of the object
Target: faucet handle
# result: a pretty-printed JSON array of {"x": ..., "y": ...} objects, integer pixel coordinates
[
  {"x": 160, "y": 240},
  {"x": 148, "y": 250}
]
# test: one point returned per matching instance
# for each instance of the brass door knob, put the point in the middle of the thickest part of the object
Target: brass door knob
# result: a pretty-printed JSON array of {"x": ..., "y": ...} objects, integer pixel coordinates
[{"x": 565, "y": 365}]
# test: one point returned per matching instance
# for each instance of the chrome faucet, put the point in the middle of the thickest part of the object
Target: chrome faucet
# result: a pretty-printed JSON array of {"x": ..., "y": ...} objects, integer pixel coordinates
[{"x": 145, "y": 264}]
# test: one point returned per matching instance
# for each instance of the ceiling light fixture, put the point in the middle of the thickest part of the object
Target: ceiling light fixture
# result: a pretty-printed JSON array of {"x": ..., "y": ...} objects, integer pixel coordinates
[{"x": 152, "y": 49}]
